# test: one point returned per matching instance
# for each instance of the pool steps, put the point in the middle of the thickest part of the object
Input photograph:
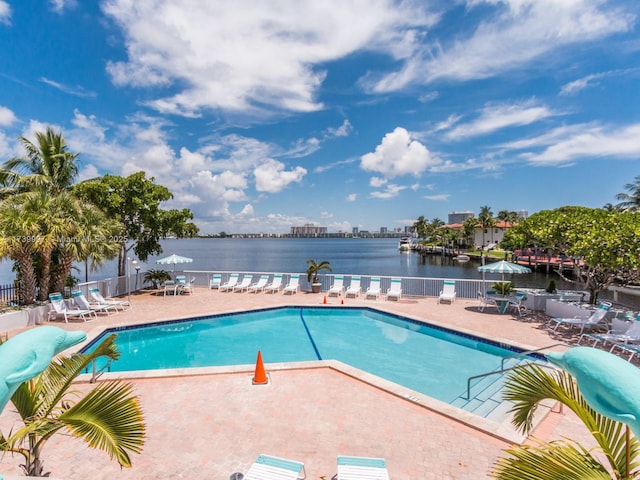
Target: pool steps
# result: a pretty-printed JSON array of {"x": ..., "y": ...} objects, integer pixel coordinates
[{"x": 486, "y": 396}]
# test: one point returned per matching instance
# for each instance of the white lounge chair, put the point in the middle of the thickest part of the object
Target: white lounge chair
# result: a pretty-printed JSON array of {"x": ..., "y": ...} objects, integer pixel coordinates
[
  {"x": 353, "y": 290},
  {"x": 293, "y": 286},
  {"x": 630, "y": 334},
  {"x": 267, "y": 467},
  {"x": 338, "y": 286},
  {"x": 242, "y": 286},
  {"x": 60, "y": 308},
  {"x": 275, "y": 285},
  {"x": 395, "y": 290},
  {"x": 229, "y": 284},
  {"x": 216, "y": 281},
  {"x": 374, "y": 289},
  {"x": 592, "y": 321},
  {"x": 83, "y": 304},
  {"x": 259, "y": 285},
  {"x": 448, "y": 292},
  {"x": 100, "y": 300},
  {"x": 362, "y": 468}
]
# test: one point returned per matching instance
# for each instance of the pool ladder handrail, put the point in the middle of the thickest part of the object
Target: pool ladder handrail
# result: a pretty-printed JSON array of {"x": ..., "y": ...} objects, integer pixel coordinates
[
  {"x": 97, "y": 373},
  {"x": 503, "y": 370}
]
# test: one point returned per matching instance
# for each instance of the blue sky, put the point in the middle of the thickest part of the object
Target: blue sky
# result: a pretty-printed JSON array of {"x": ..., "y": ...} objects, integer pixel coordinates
[{"x": 344, "y": 113}]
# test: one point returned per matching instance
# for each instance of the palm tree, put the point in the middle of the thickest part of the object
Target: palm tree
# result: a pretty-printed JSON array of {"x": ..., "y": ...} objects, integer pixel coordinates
[
  {"x": 421, "y": 227},
  {"x": 47, "y": 165},
  {"x": 618, "y": 453},
  {"x": 630, "y": 201},
  {"x": 469, "y": 229},
  {"x": 19, "y": 229},
  {"x": 109, "y": 417},
  {"x": 486, "y": 221}
]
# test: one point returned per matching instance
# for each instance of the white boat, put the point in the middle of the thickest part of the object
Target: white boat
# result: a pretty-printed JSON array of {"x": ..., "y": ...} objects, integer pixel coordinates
[
  {"x": 405, "y": 244},
  {"x": 462, "y": 258}
]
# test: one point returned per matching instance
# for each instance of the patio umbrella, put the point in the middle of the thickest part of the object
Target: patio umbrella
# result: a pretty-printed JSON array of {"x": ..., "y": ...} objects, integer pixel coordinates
[
  {"x": 503, "y": 267},
  {"x": 173, "y": 259}
]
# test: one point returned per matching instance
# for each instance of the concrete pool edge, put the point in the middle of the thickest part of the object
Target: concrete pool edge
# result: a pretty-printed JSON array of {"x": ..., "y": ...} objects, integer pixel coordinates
[{"x": 503, "y": 431}]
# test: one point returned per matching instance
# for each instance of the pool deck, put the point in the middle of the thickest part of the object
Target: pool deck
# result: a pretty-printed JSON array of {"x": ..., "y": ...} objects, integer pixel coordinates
[{"x": 214, "y": 424}]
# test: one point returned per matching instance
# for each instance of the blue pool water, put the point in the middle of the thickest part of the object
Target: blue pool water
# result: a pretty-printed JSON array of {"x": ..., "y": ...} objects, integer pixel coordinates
[{"x": 427, "y": 359}]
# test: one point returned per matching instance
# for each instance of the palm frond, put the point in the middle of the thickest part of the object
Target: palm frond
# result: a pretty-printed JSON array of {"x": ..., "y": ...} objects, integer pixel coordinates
[
  {"x": 527, "y": 387},
  {"x": 109, "y": 418},
  {"x": 551, "y": 461}
]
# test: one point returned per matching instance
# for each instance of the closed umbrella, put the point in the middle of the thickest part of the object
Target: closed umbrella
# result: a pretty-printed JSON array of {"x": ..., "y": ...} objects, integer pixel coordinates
[{"x": 173, "y": 259}]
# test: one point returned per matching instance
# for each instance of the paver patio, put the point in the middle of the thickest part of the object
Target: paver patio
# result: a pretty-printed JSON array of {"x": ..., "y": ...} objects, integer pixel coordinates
[{"x": 209, "y": 426}]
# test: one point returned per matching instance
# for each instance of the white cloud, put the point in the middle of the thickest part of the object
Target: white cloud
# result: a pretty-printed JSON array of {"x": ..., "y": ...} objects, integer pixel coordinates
[
  {"x": 59, "y": 5},
  {"x": 496, "y": 117},
  {"x": 5, "y": 13},
  {"x": 519, "y": 32},
  {"x": 398, "y": 155},
  {"x": 77, "y": 91},
  {"x": 591, "y": 80},
  {"x": 390, "y": 191},
  {"x": 271, "y": 176},
  {"x": 7, "y": 117},
  {"x": 594, "y": 141},
  {"x": 352, "y": 197},
  {"x": 342, "y": 131},
  {"x": 377, "y": 182},
  {"x": 250, "y": 56},
  {"x": 438, "y": 198}
]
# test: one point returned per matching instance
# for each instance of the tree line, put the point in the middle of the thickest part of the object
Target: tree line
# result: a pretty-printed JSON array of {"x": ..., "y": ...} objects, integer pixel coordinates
[
  {"x": 48, "y": 221},
  {"x": 606, "y": 239}
]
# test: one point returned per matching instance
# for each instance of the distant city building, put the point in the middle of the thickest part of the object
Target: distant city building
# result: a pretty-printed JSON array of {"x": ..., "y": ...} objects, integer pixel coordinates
[
  {"x": 307, "y": 230},
  {"x": 354, "y": 230},
  {"x": 523, "y": 213},
  {"x": 459, "y": 217},
  {"x": 383, "y": 230}
]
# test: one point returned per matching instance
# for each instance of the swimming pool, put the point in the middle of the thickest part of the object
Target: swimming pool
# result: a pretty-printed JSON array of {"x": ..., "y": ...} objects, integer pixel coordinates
[{"x": 425, "y": 358}]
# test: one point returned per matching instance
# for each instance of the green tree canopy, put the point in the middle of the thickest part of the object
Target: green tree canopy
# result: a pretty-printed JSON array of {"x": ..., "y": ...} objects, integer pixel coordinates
[
  {"x": 606, "y": 240},
  {"x": 135, "y": 201}
]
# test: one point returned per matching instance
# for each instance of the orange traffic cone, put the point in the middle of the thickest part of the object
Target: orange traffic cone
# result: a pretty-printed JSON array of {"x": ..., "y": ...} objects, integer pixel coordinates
[
  {"x": 324, "y": 301},
  {"x": 259, "y": 377}
]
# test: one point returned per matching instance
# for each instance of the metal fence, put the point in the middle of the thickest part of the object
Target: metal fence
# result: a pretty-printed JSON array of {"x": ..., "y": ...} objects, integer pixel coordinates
[
  {"x": 8, "y": 294},
  {"x": 411, "y": 286}
]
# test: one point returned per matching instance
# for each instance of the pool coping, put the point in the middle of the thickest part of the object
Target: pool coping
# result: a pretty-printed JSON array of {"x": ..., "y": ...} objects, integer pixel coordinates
[{"x": 503, "y": 431}]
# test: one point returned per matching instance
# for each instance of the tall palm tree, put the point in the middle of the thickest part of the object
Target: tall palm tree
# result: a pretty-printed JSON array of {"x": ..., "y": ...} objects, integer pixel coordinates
[
  {"x": 108, "y": 418},
  {"x": 48, "y": 164},
  {"x": 630, "y": 201},
  {"x": 486, "y": 221},
  {"x": 19, "y": 230},
  {"x": 421, "y": 227},
  {"x": 565, "y": 459},
  {"x": 469, "y": 229}
]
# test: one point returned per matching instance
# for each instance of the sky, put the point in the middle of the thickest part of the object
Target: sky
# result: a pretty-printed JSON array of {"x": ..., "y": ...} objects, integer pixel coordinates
[{"x": 259, "y": 116}]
